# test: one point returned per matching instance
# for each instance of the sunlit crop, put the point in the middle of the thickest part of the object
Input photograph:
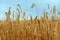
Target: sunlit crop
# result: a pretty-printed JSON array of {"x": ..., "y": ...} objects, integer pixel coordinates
[{"x": 34, "y": 29}]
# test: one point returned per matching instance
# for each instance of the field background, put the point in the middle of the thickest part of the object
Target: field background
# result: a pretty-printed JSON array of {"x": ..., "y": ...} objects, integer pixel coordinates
[{"x": 16, "y": 25}]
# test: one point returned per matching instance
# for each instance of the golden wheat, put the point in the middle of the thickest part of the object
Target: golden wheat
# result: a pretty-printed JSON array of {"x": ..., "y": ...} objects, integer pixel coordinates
[{"x": 33, "y": 29}]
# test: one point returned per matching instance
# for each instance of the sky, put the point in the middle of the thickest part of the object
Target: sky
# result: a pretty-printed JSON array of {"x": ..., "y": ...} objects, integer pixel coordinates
[{"x": 26, "y": 6}]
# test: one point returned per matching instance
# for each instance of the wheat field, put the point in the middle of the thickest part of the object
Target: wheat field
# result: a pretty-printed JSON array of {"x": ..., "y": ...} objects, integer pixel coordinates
[{"x": 33, "y": 29}]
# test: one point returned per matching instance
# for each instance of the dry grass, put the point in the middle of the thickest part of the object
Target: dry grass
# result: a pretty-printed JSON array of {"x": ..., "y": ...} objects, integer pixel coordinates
[{"x": 34, "y": 29}]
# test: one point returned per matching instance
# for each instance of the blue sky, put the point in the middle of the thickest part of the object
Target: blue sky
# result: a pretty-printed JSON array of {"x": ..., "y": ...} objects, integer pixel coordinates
[{"x": 26, "y": 6}]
